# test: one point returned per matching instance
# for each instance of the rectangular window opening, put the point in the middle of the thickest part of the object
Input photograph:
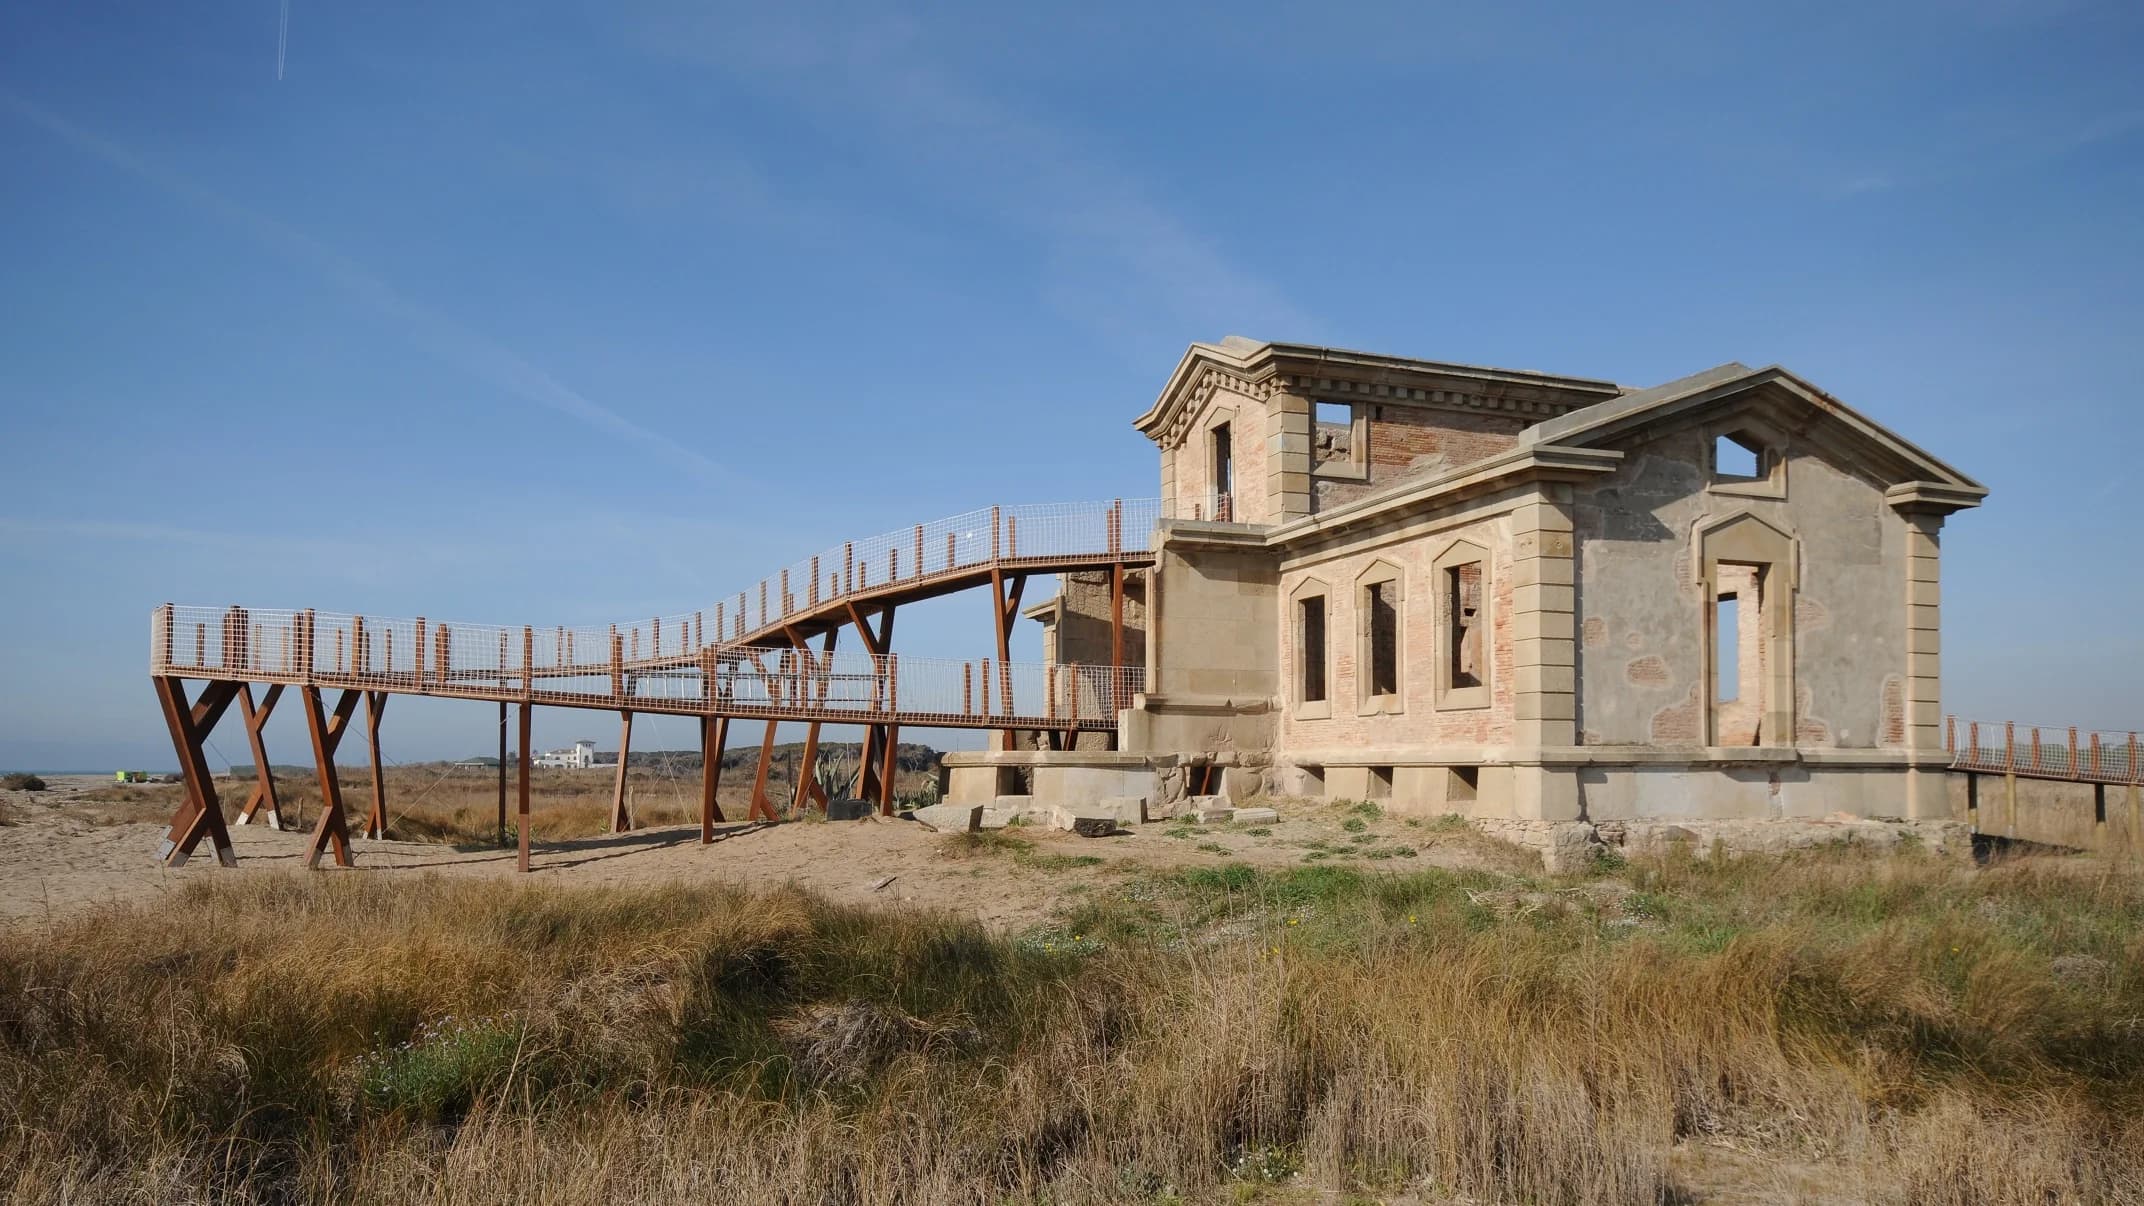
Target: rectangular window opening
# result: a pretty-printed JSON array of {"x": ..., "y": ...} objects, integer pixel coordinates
[
  {"x": 1384, "y": 638},
  {"x": 1735, "y": 456},
  {"x": 1380, "y": 782},
  {"x": 1310, "y": 646},
  {"x": 1727, "y": 639},
  {"x": 1462, "y": 784},
  {"x": 1333, "y": 434},
  {"x": 1224, "y": 471},
  {"x": 1463, "y": 609}
]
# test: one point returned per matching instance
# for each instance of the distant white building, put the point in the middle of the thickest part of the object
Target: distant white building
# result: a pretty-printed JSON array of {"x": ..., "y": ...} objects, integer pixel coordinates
[{"x": 579, "y": 756}]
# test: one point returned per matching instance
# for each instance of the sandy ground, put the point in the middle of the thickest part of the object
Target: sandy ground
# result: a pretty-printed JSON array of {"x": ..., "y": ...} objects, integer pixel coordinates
[{"x": 59, "y": 857}]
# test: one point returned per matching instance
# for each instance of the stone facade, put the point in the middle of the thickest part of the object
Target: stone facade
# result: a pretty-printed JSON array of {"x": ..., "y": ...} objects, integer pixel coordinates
[{"x": 1530, "y": 598}]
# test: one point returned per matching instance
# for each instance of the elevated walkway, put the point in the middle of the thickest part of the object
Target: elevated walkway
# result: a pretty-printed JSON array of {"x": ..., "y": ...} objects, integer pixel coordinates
[{"x": 750, "y": 657}]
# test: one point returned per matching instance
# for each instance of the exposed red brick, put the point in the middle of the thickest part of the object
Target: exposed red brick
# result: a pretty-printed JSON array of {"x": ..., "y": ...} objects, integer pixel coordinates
[{"x": 1649, "y": 671}]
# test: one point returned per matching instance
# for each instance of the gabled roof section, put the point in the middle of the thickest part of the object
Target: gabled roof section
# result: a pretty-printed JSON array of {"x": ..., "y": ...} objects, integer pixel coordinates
[
  {"x": 1916, "y": 476},
  {"x": 1262, "y": 368}
]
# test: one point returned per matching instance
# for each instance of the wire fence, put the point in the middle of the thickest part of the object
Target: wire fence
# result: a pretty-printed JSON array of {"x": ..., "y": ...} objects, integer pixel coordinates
[
  {"x": 2043, "y": 752},
  {"x": 339, "y": 650}
]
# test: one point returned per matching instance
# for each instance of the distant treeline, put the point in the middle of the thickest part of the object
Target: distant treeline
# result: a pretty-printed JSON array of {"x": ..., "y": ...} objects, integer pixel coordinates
[{"x": 909, "y": 756}]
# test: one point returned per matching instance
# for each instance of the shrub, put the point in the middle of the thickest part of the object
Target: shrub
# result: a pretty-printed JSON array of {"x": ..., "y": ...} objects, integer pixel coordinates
[{"x": 20, "y": 781}]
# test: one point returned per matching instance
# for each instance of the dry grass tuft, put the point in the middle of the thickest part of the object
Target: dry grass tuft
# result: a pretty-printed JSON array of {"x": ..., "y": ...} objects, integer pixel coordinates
[{"x": 1187, "y": 1036}]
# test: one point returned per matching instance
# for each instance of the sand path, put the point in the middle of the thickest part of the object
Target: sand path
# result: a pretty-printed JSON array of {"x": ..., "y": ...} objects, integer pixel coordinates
[{"x": 57, "y": 859}]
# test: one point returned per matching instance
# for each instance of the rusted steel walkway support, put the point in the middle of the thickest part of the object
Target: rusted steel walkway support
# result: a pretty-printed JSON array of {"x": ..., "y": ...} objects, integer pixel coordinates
[
  {"x": 200, "y": 812},
  {"x": 327, "y": 733},
  {"x": 502, "y": 772},
  {"x": 263, "y": 774},
  {"x": 521, "y": 862},
  {"x": 1005, "y": 611},
  {"x": 762, "y": 809},
  {"x": 620, "y": 820},
  {"x": 714, "y": 735},
  {"x": 376, "y": 821},
  {"x": 889, "y": 770}
]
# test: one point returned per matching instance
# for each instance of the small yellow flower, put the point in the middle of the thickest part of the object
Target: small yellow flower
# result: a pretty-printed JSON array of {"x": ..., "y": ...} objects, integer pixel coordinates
[
  {"x": 1410, "y": 919},
  {"x": 1294, "y": 921}
]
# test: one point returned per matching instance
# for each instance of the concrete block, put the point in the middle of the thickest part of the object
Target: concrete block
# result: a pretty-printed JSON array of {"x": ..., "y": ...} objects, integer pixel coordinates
[
  {"x": 1541, "y": 596},
  {"x": 1210, "y": 810},
  {"x": 1086, "y": 820},
  {"x": 951, "y": 818},
  {"x": 853, "y": 810},
  {"x": 1121, "y": 810},
  {"x": 1256, "y": 816},
  {"x": 1542, "y": 626}
]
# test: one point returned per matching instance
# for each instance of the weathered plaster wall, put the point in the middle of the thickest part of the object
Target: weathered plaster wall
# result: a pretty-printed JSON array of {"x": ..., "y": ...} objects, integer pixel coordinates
[
  {"x": 1187, "y": 472},
  {"x": 1420, "y": 724},
  {"x": 1708, "y": 792},
  {"x": 1641, "y": 612},
  {"x": 1211, "y": 656}
]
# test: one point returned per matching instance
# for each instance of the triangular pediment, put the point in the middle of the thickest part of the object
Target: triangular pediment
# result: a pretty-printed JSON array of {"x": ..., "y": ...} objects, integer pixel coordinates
[{"x": 1818, "y": 421}]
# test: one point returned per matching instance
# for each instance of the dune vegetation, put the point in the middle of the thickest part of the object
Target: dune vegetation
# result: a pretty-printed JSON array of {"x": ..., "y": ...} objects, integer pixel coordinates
[{"x": 1835, "y": 1027}]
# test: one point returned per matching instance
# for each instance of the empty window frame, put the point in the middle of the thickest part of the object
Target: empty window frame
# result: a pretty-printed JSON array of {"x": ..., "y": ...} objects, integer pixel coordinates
[
  {"x": 1462, "y": 585},
  {"x": 1224, "y": 470},
  {"x": 1380, "y": 639},
  {"x": 1336, "y": 438},
  {"x": 1726, "y": 666},
  {"x": 1310, "y": 649},
  {"x": 1465, "y": 657},
  {"x": 1737, "y": 457}
]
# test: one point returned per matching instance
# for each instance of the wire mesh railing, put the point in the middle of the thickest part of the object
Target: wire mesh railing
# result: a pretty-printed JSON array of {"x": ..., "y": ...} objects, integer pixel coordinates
[
  {"x": 2043, "y": 751},
  {"x": 332, "y": 649}
]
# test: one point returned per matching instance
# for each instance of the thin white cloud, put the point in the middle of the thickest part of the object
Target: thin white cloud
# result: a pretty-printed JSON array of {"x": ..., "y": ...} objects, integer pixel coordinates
[
  {"x": 1112, "y": 252},
  {"x": 437, "y": 332}
]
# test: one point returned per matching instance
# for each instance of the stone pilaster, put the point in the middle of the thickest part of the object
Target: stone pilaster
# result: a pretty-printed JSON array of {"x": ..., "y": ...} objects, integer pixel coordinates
[
  {"x": 1926, "y": 794},
  {"x": 1543, "y": 638},
  {"x": 1288, "y": 422}
]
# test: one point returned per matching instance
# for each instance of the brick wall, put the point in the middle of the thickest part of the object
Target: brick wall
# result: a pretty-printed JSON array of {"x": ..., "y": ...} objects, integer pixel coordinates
[
  {"x": 1422, "y": 644},
  {"x": 1193, "y": 462},
  {"x": 1406, "y": 440}
]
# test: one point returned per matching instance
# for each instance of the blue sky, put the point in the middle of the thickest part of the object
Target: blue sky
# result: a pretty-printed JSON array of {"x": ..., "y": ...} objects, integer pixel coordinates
[{"x": 573, "y": 312}]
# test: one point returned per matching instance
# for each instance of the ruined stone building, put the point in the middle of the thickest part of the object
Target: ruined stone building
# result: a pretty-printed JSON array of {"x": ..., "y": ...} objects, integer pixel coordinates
[{"x": 1509, "y": 594}]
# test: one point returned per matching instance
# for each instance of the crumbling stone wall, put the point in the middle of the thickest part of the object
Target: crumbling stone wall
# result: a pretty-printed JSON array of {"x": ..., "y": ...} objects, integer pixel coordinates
[
  {"x": 1187, "y": 471},
  {"x": 1409, "y": 441}
]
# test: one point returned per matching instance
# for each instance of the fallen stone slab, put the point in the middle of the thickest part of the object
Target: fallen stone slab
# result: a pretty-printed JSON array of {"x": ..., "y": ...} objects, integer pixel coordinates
[
  {"x": 1256, "y": 816},
  {"x": 1086, "y": 820},
  {"x": 950, "y": 818},
  {"x": 1209, "y": 810}
]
